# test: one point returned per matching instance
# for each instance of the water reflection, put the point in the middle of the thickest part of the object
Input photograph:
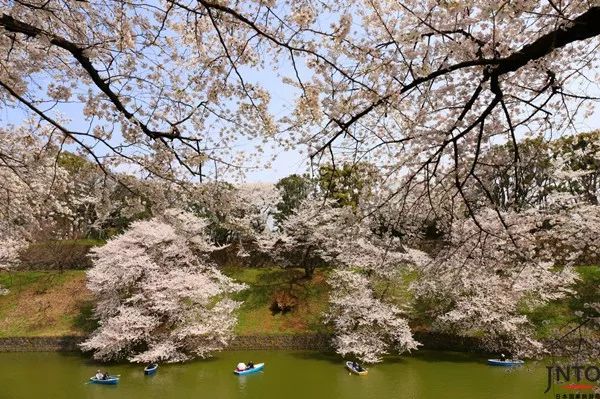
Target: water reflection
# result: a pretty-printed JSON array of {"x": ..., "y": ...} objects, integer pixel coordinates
[{"x": 288, "y": 375}]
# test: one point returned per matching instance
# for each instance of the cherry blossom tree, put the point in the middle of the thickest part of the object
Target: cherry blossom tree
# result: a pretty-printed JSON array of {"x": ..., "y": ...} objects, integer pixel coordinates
[
  {"x": 30, "y": 182},
  {"x": 365, "y": 326},
  {"x": 308, "y": 238},
  {"x": 491, "y": 270},
  {"x": 320, "y": 233},
  {"x": 442, "y": 81},
  {"x": 171, "y": 88},
  {"x": 254, "y": 206},
  {"x": 159, "y": 298},
  {"x": 49, "y": 193},
  {"x": 368, "y": 321},
  {"x": 569, "y": 236},
  {"x": 576, "y": 166},
  {"x": 131, "y": 70}
]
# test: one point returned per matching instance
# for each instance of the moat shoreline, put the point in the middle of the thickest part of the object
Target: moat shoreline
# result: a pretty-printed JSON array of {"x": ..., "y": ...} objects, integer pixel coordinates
[{"x": 304, "y": 341}]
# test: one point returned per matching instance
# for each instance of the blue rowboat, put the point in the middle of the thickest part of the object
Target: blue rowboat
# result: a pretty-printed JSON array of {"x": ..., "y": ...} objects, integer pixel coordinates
[
  {"x": 354, "y": 370},
  {"x": 505, "y": 363},
  {"x": 257, "y": 367},
  {"x": 150, "y": 369},
  {"x": 111, "y": 380}
]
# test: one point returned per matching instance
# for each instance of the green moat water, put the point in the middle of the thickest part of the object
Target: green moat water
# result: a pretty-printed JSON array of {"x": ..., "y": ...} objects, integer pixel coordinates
[{"x": 287, "y": 375}]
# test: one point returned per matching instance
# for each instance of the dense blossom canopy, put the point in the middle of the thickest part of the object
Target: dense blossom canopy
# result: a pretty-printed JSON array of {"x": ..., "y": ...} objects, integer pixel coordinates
[
  {"x": 365, "y": 326},
  {"x": 173, "y": 88},
  {"x": 158, "y": 297}
]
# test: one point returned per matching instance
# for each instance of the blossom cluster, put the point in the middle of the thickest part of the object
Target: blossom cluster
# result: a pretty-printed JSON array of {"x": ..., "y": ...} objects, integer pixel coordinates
[{"x": 158, "y": 296}]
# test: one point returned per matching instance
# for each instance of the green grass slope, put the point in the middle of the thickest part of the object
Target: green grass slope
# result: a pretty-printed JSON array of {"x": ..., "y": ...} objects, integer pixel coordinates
[
  {"x": 45, "y": 304},
  {"x": 58, "y": 303},
  {"x": 52, "y": 303}
]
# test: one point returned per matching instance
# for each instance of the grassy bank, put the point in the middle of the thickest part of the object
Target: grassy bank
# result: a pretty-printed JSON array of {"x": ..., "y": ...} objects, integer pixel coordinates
[
  {"x": 45, "y": 304},
  {"x": 53, "y": 303},
  {"x": 267, "y": 285},
  {"x": 42, "y": 304}
]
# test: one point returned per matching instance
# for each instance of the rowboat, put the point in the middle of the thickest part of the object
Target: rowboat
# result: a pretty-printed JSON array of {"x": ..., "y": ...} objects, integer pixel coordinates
[
  {"x": 505, "y": 363},
  {"x": 111, "y": 380},
  {"x": 356, "y": 371},
  {"x": 150, "y": 369},
  {"x": 257, "y": 367}
]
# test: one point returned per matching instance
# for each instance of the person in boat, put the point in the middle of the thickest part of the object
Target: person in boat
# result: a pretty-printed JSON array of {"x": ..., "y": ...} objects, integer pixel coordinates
[
  {"x": 503, "y": 357},
  {"x": 241, "y": 367},
  {"x": 102, "y": 376},
  {"x": 357, "y": 366},
  {"x": 249, "y": 365}
]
